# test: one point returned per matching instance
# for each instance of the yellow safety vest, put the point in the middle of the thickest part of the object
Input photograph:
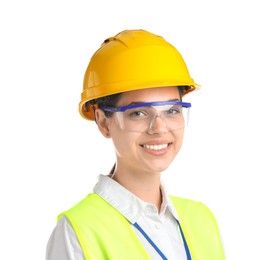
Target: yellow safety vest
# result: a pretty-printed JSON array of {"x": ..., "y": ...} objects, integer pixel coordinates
[{"x": 104, "y": 233}]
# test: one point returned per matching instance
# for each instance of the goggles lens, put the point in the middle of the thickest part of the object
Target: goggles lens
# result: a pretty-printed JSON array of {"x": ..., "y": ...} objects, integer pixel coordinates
[{"x": 142, "y": 117}]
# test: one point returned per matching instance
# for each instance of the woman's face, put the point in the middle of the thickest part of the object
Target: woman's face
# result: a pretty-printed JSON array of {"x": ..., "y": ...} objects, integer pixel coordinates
[{"x": 150, "y": 151}]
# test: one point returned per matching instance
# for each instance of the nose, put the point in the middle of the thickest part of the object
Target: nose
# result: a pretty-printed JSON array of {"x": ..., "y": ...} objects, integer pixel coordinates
[{"x": 157, "y": 125}]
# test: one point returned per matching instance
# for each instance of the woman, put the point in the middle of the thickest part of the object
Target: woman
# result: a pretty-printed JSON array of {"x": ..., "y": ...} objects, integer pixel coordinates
[{"x": 133, "y": 89}]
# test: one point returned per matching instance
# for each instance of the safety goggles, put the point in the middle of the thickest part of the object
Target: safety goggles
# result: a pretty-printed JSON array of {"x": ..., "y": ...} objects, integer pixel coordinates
[{"x": 144, "y": 117}]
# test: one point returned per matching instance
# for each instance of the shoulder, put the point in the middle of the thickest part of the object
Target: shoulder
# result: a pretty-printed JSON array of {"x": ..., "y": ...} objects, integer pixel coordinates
[
  {"x": 92, "y": 204},
  {"x": 91, "y": 210},
  {"x": 188, "y": 204},
  {"x": 191, "y": 209}
]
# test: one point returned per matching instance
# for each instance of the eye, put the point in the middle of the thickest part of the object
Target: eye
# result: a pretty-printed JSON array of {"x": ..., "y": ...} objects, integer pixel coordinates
[
  {"x": 175, "y": 110},
  {"x": 135, "y": 114}
]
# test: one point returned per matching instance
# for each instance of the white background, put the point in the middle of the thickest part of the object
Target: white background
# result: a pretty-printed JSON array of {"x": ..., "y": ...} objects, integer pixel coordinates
[{"x": 51, "y": 157}]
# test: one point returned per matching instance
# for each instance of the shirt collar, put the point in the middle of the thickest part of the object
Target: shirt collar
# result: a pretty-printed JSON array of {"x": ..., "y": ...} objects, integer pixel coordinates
[
  {"x": 167, "y": 202},
  {"x": 129, "y": 205}
]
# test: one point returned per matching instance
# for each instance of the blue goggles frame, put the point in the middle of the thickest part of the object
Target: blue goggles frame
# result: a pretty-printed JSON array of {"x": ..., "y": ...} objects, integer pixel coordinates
[{"x": 145, "y": 104}]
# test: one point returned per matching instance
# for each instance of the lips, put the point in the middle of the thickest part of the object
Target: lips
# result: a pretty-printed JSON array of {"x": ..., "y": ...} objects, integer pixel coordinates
[{"x": 155, "y": 147}]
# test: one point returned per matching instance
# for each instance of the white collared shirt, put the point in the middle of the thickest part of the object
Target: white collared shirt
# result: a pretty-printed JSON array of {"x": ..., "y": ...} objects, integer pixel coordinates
[{"x": 161, "y": 227}]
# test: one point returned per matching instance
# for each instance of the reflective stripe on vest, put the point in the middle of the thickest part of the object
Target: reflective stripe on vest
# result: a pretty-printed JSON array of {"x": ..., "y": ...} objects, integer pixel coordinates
[{"x": 104, "y": 233}]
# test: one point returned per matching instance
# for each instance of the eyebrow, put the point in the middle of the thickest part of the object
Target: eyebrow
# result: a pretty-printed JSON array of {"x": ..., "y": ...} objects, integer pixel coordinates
[{"x": 140, "y": 102}]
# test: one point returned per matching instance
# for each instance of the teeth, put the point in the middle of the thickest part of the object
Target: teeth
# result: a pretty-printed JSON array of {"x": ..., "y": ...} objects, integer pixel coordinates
[{"x": 156, "y": 147}]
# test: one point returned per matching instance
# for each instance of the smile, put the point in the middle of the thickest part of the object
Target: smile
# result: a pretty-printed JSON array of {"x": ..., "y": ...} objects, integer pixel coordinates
[{"x": 155, "y": 147}]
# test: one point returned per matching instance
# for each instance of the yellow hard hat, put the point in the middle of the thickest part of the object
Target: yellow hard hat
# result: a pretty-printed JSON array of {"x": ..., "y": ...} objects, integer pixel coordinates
[{"x": 132, "y": 60}]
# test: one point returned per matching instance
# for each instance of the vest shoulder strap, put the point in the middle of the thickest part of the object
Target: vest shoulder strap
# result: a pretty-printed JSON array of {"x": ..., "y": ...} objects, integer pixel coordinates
[
  {"x": 200, "y": 229},
  {"x": 103, "y": 232}
]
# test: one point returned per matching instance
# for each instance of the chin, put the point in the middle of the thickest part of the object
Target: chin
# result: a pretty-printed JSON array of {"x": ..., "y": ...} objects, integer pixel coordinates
[{"x": 158, "y": 167}]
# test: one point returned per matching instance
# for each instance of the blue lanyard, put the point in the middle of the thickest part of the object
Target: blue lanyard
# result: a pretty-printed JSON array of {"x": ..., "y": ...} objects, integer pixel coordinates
[
  {"x": 156, "y": 247},
  {"x": 185, "y": 243}
]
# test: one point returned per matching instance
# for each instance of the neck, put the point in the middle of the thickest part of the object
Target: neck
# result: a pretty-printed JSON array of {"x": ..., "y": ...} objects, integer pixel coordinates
[{"x": 145, "y": 186}]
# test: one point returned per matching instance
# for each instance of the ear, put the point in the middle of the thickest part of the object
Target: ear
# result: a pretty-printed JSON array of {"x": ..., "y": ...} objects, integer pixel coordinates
[{"x": 102, "y": 122}]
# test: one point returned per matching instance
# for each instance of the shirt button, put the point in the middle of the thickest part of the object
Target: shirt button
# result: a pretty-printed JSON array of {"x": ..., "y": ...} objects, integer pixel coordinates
[{"x": 157, "y": 225}]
